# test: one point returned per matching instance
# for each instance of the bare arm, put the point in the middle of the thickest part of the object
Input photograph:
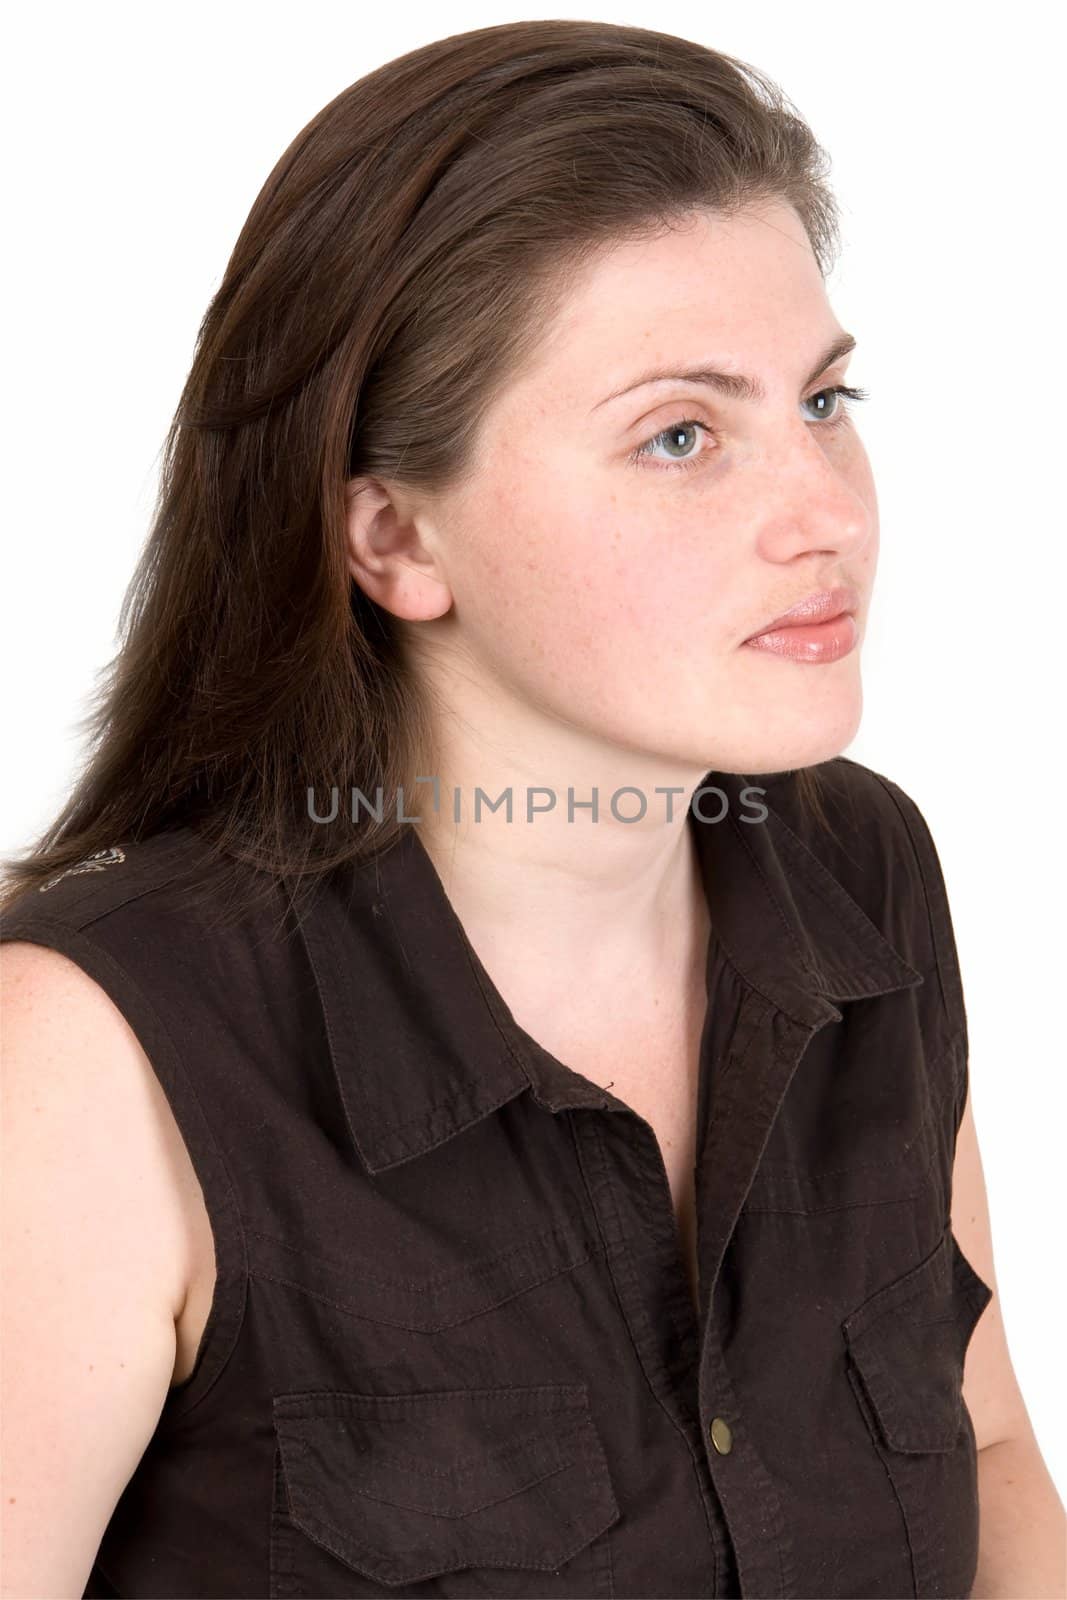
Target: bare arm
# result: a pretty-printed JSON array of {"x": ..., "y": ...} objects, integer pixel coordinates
[
  {"x": 1022, "y": 1546},
  {"x": 95, "y": 1266},
  {"x": 1022, "y": 1532}
]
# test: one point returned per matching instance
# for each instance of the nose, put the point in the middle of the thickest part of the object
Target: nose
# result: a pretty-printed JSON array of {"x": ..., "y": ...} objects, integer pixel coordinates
[{"x": 815, "y": 499}]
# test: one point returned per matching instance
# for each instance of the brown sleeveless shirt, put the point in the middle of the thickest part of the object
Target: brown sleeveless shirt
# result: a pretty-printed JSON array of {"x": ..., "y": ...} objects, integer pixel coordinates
[{"x": 452, "y": 1349}]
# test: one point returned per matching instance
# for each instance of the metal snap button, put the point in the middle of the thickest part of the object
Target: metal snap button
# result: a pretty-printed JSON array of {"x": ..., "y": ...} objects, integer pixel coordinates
[{"x": 721, "y": 1436}]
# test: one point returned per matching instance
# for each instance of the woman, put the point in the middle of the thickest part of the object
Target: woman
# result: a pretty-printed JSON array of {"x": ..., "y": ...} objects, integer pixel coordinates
[{"x": 548, "y": 1196}]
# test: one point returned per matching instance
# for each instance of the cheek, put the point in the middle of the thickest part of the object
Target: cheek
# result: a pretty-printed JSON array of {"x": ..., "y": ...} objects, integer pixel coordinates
[
  {"x": 863, "y": 558},
  {"x": 587, "y": 583},
  {"x": 856, "y": 469}
]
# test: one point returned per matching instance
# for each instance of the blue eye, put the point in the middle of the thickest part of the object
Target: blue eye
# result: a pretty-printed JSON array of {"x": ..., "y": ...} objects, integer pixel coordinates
[
  {"x": 674, "y": 437},
  {"x": 843, "y": 396}
]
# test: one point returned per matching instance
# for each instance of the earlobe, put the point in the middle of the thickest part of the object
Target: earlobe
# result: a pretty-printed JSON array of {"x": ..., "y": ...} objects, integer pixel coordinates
[{"x": 412, "y": 593}]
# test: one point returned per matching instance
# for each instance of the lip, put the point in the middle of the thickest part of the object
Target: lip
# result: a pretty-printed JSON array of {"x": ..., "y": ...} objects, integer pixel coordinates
[
  {"x": 819, "y": 629},
  {"x": 821, "y": 606}
]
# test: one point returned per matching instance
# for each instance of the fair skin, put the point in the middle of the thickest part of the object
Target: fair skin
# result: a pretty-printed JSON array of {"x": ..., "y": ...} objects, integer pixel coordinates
[{"x": 577, "y": 617}]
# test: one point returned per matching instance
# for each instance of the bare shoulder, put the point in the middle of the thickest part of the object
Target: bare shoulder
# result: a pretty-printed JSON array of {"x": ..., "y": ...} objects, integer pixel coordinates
[
  {"x": 71, "y": 1055},
  {"x": 98, "y": 1195}
]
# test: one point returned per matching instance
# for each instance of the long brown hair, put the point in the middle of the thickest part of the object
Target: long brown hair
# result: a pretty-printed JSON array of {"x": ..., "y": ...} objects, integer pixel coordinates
[{"x": 398, "y": 264}]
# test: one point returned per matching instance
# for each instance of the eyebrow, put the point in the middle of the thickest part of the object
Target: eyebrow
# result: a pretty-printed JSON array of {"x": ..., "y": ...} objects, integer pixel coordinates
[{"x": 734, "y": 385}]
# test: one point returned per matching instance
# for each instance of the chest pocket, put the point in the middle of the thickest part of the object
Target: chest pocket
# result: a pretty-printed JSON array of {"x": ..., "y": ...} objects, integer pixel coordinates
[
  {"x": 458, "y": 1492},
  {"x": 905, "y": 1355}
]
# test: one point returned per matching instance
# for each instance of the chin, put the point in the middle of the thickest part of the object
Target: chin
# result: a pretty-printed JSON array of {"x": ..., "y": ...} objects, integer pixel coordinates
[{"x": 784, "y": 738}]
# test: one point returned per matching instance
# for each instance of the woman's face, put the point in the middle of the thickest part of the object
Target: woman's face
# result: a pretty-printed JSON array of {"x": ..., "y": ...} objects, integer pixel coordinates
[{"x": 613, "y": 591}]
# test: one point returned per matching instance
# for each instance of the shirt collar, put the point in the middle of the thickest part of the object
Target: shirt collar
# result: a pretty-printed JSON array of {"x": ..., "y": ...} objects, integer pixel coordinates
[{"x": 423, "y": 1044}]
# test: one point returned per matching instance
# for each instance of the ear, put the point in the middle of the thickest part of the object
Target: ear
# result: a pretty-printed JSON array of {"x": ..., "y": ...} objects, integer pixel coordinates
[{"x": 388, "y": 555}]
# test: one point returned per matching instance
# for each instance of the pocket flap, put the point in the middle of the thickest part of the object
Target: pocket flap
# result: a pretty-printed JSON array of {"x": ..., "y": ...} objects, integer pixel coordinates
[
  {"x": 908, "y": 1343},
  {"x": 404, "y": 1486}
]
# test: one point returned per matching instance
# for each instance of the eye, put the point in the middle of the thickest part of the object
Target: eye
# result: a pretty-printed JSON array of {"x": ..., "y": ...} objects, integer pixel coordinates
[
  {"x": 841, "y": 396},
  {"x": 679, "y": 437},
  {"x": 679, "y": 440}
]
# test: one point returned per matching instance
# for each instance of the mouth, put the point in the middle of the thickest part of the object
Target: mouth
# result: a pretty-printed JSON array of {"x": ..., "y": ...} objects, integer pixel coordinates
[{"x": 820, "y": 628}]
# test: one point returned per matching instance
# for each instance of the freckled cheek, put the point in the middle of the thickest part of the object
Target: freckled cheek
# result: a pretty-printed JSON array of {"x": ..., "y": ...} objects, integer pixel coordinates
[
  {"x": 585, "y": 576},
  {"x": 603, "y": 581}
]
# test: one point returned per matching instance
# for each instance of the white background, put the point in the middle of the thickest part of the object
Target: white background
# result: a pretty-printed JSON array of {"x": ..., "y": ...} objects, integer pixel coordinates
[{"x": 137, "y": 139}]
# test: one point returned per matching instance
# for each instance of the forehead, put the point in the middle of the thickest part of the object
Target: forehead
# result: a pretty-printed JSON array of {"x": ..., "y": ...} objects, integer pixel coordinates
[{"x": 744, "y": 289}]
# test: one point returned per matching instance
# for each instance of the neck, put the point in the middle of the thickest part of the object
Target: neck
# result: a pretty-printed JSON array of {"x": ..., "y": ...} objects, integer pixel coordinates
[{"x": 578, "y": 916}]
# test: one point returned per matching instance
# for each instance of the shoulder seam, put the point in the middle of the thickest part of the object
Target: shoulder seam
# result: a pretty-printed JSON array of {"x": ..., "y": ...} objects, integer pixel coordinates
[
  {"x": 935, "y": 896},
  {"x": 85, "y": 915}
]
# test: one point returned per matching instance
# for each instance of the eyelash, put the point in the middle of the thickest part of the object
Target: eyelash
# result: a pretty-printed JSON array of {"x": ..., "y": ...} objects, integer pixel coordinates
[{"x": 843, "y": 391}]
